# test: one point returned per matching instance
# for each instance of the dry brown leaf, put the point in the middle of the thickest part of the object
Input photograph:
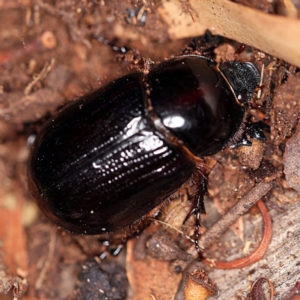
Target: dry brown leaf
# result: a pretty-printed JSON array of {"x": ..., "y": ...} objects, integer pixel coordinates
[{"x": 150, "y": 277}]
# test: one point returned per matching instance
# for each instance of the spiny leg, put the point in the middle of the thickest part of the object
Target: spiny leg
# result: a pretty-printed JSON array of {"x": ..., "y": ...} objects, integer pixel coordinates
[
  {"x": 250, "y": 131},
  {"x": 199, "y": 183},
  {"x": 205, "y": 44},
  {"x": 130, "y": 56}
]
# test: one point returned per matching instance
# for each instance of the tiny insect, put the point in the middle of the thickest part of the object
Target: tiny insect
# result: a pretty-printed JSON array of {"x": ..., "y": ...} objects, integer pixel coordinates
[{"x": 111, "y": 157}]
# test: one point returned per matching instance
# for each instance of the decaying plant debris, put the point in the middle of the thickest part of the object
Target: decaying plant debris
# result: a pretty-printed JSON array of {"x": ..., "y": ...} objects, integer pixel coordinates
[{"x": 49, "y": 56}]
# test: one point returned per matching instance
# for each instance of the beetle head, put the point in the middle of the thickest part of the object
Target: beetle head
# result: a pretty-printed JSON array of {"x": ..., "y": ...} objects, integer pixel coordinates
[{"x": 243, "y": 78}]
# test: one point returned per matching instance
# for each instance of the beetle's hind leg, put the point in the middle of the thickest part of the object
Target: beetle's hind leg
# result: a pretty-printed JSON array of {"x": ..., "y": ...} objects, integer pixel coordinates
[
  {"x": 197, "y": 193},
  {"x": 115, "y": 242},
  {"x": 113, "y": 246}
]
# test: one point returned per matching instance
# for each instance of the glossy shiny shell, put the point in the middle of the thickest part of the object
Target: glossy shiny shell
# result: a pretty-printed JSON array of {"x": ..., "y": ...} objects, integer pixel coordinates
[
  {"x": 100, "y": 164},
  {"x": 195, "y": 103},
  {"x": 111, "y": 157}
]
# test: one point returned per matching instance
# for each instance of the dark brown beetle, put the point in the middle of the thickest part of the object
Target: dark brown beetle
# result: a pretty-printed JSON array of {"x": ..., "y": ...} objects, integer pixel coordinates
[{"x": 109, "y": 158}]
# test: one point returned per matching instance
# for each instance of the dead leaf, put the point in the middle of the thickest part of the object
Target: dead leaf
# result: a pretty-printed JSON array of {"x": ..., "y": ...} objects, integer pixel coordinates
[{"x": 150, "y": 277}]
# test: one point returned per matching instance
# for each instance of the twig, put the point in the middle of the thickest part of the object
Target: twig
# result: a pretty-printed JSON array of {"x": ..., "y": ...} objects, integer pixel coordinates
[
  {"x": 258, "y": 253},
  {"x": 240, "y": 208},
  {"x": 238, "y": 22},
  {"x": 46, "y": 69},
  {"x": 172, "y": 227},
  {"x": 291, "y": 9},
  {"x": 48, "y": 259}
]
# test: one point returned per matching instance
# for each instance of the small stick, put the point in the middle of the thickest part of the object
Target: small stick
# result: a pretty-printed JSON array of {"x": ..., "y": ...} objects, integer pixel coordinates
[
  {"x": 244, "y": 24},
  {"x": 260, "y": 250},
  {"x": 48, "y": 259},
  {"x": 240, "y": 208}
]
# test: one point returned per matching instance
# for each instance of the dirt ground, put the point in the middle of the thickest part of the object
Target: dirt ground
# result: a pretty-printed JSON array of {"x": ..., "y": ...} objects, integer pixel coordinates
[{"x": 50, "y": 54}]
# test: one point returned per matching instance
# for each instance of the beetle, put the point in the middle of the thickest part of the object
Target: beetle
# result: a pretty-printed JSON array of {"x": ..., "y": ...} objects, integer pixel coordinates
[{"x": 112, "y": 156}]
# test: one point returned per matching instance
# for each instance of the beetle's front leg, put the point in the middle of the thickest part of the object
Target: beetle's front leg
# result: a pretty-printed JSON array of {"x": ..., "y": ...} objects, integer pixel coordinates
[
  {"x": 205, "y": 44},
  {"x": 129, "y": 56},
  {"x": 252, "y": 131}
]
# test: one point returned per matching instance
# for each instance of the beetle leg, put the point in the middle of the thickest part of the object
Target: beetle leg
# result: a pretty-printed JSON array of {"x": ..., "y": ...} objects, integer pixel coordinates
[
  {"x": 112, "y": 44},
  {"x": 205, "y": 44},
  {"x": 255, "y": 130},
  {"x": 124, "y": 54},
  {"x": 252, "y": 131},
  {"x": 198, "y": 207},
  {"x": 114, "y": 249}
]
